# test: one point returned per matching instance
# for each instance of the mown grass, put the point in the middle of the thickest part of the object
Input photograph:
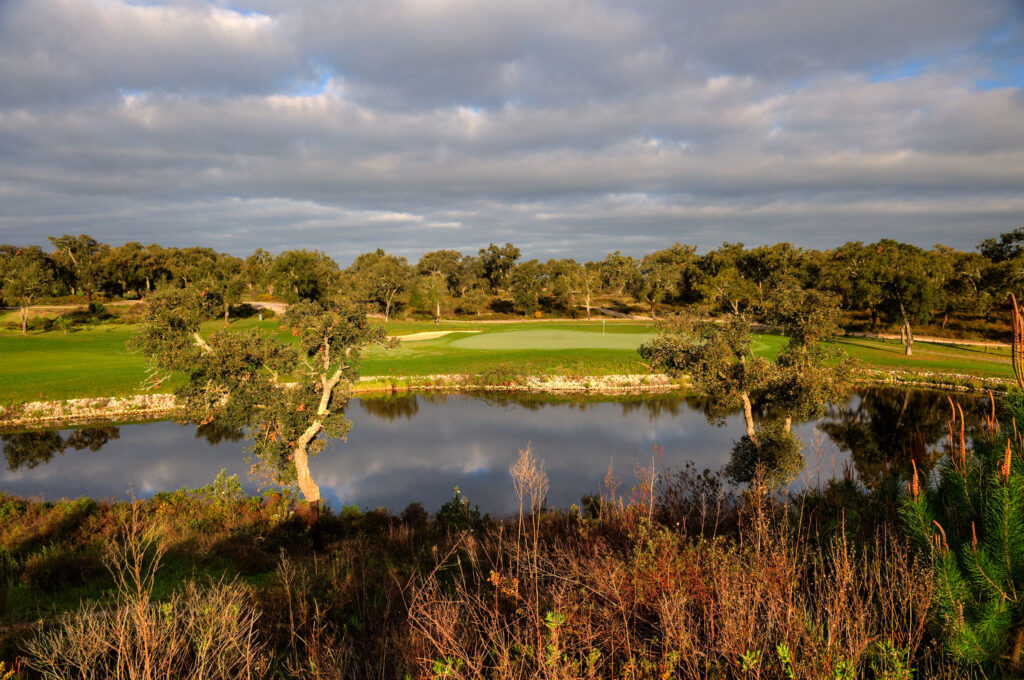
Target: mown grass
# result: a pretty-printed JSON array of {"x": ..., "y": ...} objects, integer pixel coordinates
[{"x": 95, "y": 362}]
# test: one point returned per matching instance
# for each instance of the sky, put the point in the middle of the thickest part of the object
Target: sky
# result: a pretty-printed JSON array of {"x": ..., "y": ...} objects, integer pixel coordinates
[{"x": 571, "y": 128}]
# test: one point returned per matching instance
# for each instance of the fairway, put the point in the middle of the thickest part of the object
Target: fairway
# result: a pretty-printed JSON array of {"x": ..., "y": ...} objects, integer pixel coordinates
[
  {"x": 550, "y": 338},
  {"x": 94, "y": 362}
]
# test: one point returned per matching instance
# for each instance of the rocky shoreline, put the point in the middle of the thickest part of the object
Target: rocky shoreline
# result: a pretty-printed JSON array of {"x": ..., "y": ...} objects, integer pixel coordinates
[{"x": 153, "y": 406}]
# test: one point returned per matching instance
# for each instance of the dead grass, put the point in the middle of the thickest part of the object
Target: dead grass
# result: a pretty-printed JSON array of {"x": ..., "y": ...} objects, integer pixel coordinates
[{"x": 679, "y": 577}]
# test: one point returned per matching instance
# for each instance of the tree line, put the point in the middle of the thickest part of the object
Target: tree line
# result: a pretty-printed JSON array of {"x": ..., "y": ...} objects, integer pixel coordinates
[{"x": 889, "y": 281}]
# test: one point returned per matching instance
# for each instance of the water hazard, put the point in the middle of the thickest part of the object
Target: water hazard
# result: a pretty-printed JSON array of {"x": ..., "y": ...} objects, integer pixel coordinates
[{"x": 419, "y": 447}]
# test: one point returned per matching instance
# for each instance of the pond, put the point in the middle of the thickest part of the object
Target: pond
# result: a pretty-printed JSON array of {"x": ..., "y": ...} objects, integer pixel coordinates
[{"x": 419, "y": 447}]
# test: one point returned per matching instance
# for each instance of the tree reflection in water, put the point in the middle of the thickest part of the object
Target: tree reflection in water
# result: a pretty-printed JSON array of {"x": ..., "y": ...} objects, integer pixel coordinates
[
  {"x": 392, "y": 407},
  {"x": 882, "y": 427},
  {"x": 878, "y": 427},
  {"x": 215, "y": 433},
  {"x": 26, "y": 450}
]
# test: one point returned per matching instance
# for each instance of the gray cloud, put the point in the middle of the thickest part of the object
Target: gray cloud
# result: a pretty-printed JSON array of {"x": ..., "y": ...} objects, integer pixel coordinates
[{"x": 569, "y": 128}]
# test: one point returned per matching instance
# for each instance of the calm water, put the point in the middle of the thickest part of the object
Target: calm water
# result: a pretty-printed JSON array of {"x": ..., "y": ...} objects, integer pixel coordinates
[{"x": 419, "y": 447}]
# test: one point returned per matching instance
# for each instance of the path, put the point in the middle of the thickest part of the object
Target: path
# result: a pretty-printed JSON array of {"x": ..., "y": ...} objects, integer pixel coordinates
[
  {"x": 620, "y": 315},
  {"x": 934, "y": 340}
]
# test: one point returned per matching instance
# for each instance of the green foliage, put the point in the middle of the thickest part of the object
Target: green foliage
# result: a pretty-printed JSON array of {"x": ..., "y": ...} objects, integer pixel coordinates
[
  {"x": 525, "y": 284},
  {"x": 304, "y": 275},
  {"x": 25, "y": 275},
  {"x": 1006, "y": 247},
  {"x": 459, "y": 514},
  {"x": 233, "y": 378},
  {"x": 969, "y": 519},
  {"x": 82, "y": 256},
  {"x": 379, "y": 278},
  {"x": 890, "y": 662},
  {"x": 786, "y": 659},
  {"x": 774, "y": 451},
  {"x": 497, "y": 264},
  {"x": 718, "y": 358}
]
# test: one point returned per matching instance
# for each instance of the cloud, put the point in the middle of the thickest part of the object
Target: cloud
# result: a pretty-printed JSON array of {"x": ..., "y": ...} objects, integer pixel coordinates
[{"x": 565, "y": 127}]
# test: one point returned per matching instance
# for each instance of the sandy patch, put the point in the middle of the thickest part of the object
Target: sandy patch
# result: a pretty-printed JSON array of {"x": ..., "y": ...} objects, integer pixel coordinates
[{"x": 428, "y": 335}]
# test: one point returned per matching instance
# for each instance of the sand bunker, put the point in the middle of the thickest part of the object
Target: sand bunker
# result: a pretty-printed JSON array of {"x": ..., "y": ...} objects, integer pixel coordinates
[{"x": 428, "y": 335}]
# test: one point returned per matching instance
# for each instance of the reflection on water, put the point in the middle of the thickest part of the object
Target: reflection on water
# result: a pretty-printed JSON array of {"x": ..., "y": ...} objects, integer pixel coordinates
[
  {"x": 882, "y": 429},
  {"x": 29, "y": 449},
  {"x": 417, "y": 447}
]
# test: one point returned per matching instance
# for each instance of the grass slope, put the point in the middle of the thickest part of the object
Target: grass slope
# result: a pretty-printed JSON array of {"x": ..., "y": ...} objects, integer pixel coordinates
[{"x": 95, "y": 362}]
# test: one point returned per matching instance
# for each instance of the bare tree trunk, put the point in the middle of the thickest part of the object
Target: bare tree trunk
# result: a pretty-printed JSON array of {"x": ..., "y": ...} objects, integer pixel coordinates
[
  {"x": 24, "y": 320},
  {"x": 227, "y": 308},
  {"x": 906, "y": 333},
  {"x": 147, "y": 284},
  {"x": 748, "y": 416},
  {"x": 945, "y": 319},
  {"x": 303, "y": 477},
  {"x": 788, "y": 423},
  {"x": 587, "y": 304},
  {"x": 437, "y": 311}
]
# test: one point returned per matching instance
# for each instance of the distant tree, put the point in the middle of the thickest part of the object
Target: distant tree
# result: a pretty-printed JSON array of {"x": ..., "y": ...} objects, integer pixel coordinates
[
  {"x": 526, "y": 283},
  {"x": 226, "y": 280},
  {"x": 497, "y": 264},
  {"x": 722, "y": 285},
  {"x": 83, "y": 256},
  {"x": 233, "y": 378},
  {"x": 127, "y": 267},
  {"x": 652, "y": 281},
  {"x": 574, "y": 283},
  {"x": 910, "y": 290},
  {"x": 854, "y": 272},
  {"x": 617, "y": 271},
  {"x": 683, "y": 262},
  {"x": 304, "y": 275},
  {"x": 25, "y": 276},
  {"x": 428, "y": 292},
  {"x": 156, "y": 265},
  {"x": 770, "y": 266},
  {"x": 380, "y": 277},
  {"x": 960, "y": 275},
  {"x": 441, "y": 273},
  {"x": 470, "y": 276},
  {"x": 256, "y": 271},
  {"x": 189, "y": 265},
  {"x": 447, "y": 264},
  {"x": 1007, "y": 246}
]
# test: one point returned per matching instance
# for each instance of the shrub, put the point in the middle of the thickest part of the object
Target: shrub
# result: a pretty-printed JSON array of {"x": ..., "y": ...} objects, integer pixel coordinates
[{"x": 969, "y": 520}]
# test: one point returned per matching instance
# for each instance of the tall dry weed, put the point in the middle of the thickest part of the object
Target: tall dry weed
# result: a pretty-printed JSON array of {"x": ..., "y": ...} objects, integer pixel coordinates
[{"x": 200, "y": 633}]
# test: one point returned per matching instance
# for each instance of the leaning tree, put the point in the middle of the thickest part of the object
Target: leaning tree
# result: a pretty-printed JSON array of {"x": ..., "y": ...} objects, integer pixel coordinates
[{"x": 288, "y": 396}]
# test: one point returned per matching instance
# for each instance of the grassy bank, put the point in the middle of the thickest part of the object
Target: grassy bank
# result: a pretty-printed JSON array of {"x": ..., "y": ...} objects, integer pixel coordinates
[{"x": 94, "y": 362}]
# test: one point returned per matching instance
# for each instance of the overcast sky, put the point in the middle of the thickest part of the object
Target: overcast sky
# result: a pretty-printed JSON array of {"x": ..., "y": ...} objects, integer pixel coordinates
[{"x": 569, "y": 127}]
